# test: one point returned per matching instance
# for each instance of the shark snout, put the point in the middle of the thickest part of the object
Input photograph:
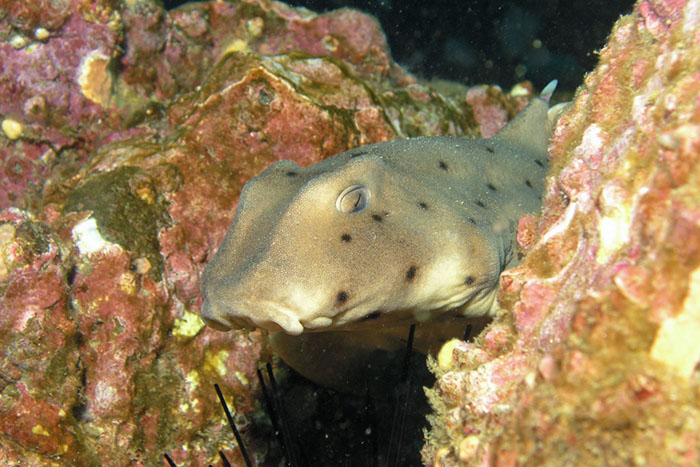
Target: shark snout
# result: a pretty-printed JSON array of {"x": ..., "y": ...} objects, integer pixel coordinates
[
  {"x": 225, "y": 313},
  {"x": 260, "y": 296}
]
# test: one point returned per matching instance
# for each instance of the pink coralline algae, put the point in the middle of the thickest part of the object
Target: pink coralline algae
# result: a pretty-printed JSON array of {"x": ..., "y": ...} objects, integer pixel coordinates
[
  {"x": 127, "y": 135},
  {"x": 593, "y": 359}
]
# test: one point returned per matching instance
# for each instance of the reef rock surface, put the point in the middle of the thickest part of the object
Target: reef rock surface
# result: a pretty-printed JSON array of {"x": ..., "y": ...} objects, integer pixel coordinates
[
  {"x": 127, "y": 135},
  {"x": 594, "y": 359}
]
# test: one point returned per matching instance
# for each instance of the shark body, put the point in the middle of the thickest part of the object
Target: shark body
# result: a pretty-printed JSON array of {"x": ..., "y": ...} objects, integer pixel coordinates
[{"x": 340, "y": 258}]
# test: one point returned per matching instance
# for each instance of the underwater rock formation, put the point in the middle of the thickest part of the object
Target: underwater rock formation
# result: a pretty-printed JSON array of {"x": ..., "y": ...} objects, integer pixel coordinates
[{"x": 594, "y": 359}]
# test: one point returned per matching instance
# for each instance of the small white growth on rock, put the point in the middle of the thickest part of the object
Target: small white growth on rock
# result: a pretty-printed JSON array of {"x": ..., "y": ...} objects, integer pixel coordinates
[
  {"x": 41, "y": 34},
  {"x": 616, "y": 221},
  {"x": 677, "y": 342},
  {"x": 18, "y": 41},
  {"x": 691, "y": 17},
  {"x": 12, "y": 128},
  {"x": 592, "y": 142},
  {"x": 519, "y": 91},
  {"x": 95, "y": 78},
  {"x": 88, "y": 238},
  {"x": 7, "y": 238},
  {"x": 105, "y": 395},
  {"x": 189, "y": 325}
]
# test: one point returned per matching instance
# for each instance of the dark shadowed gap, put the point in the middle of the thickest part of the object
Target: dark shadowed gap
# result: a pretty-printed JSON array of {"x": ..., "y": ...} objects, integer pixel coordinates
[{"x": 402, "y": 402}]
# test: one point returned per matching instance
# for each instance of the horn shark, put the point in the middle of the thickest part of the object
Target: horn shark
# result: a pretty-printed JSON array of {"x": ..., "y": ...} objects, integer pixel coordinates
[{"x": 339, "y": 258}]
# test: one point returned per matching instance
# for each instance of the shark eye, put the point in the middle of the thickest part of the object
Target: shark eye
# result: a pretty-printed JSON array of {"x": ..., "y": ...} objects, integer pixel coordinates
[{"x": 354, "y": 198}]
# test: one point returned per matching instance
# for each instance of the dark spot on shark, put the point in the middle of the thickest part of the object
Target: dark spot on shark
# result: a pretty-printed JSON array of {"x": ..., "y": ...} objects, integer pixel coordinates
[
  {"x": 411, "y": 273},
  {"x": 292, "y": 174},
  {"x": 491, "y": 187},
  {"x": 539, "y": 162},
  {"x": 489, "y": 148},
  {"x": 357, "y": 154},
  {"x": 341, "y": 298},
  {"x": 469, "y": 280},
  {"x": 528, "y": 183},
  {"x": 346, "y": 238},
  {"x": 443, "y": 166},
  {"x": 471, "y": 219},
  {"x": 377, "y": 217},
  {"x": 480, "y": 204},
  {"x": 423, "y": 206}
]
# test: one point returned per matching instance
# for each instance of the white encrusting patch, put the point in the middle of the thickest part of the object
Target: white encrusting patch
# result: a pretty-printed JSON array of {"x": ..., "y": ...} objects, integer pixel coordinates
[{"x": 88, "y": 239}]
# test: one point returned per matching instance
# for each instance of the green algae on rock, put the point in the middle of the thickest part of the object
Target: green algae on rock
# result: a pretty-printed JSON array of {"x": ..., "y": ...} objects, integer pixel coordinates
[{"x": 127, "y": 209}]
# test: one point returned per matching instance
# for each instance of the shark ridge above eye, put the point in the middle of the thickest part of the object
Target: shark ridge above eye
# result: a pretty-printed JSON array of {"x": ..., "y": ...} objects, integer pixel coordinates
[{"x": 356, "y": 248}]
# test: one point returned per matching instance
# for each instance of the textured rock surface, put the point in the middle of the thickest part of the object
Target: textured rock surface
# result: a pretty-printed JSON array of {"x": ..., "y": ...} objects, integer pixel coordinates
[
  {"x": 594, "y": 359},
  {"x": 127, "y": 134}
]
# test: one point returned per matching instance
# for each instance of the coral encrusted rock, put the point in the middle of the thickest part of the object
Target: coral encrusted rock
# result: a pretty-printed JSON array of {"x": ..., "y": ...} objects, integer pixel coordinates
[{"x": 593, "y": 360}]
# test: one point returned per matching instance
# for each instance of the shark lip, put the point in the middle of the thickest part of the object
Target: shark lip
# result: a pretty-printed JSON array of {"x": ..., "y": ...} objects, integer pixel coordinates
[
  {"x": 268, "y": 315},
  {"x": 285, "y": 318}
]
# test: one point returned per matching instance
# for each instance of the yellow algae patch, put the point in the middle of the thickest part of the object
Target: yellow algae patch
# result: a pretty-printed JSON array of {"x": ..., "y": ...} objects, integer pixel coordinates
[
  {"x": 39, "y": 430},
  {"x": 7, "y": 237},
  {"x": 255, "y": 26},
  {"x": 242, "y": 378},
  {"x": 677, "y": 342},
  {"x": 189, "y": 325},
  {"x": 468, "y": 448},
  {"x": 95, "y": 78},
  {"x": 141, "y": 265},
  {"x": 128, "y": 283},
  {"x": 330, "y": 43},
  {"x": 41, "y": 34},
  {"x": 217, "y": 361},
  {"x": 12, "y": 128},
  {"x": 237, "y": 45},
  {"x": 18, "y": 41},
  {"x": 519, "y": 91},
  {"x": 192, "y": 379},
  {"x": 614, "y": 228},
  {"x": 614, "y": 232}
]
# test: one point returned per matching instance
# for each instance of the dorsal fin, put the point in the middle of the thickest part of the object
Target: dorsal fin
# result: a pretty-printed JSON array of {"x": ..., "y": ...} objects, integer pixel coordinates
[{"x": 532, "y": 127}]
